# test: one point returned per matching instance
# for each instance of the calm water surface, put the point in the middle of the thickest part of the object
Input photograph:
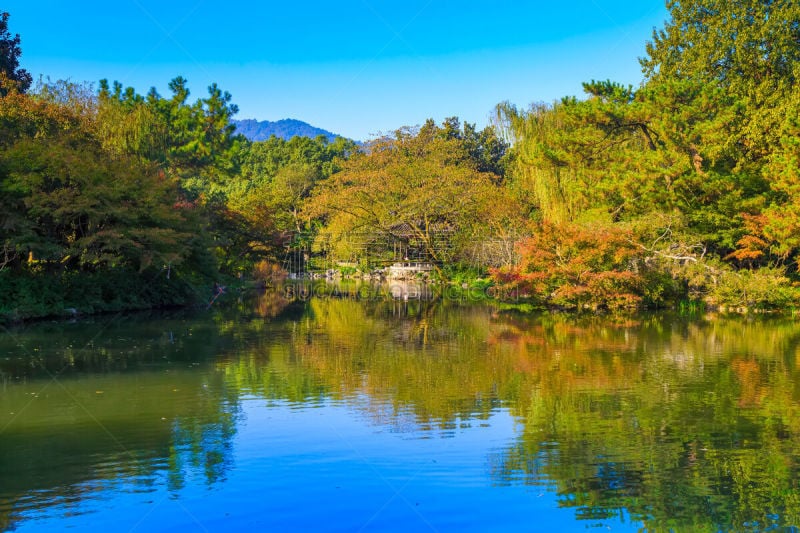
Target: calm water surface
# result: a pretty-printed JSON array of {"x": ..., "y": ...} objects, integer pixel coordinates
[{"x": 339, "y": 414}]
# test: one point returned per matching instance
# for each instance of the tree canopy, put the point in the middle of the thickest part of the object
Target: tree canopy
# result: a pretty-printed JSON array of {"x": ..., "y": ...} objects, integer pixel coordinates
[
  {"x": 698, "y": 164},
  {"x": 431, "y": 186},
  {"x": 684, "y": 187}
]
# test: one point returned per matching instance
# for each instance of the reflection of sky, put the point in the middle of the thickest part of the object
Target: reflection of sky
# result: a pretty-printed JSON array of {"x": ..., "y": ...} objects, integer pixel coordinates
[{"x": 333, "y": 466}]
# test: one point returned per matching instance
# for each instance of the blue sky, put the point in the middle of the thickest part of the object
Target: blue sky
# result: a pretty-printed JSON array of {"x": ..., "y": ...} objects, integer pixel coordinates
[{"x": 355, "y": 67}]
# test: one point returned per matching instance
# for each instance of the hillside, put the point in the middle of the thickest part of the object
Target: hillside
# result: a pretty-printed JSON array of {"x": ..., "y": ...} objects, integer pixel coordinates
[{"x": 285, "y": 129}]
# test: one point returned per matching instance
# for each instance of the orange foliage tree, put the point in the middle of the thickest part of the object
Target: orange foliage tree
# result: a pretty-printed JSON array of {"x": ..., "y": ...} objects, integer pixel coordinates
[{"x": 573, "y": 265}]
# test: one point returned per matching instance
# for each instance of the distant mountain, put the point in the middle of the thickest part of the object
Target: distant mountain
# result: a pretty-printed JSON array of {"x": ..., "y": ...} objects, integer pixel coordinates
[{"x": 285, "y": 129}]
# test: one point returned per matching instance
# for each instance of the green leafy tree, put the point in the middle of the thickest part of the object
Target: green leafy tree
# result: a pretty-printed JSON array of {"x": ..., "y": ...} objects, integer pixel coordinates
[
  {"x": 420, "y": 185},
  {"x": 10, "y": 53},
  {"x": 697, "y": 161},
  {"x": 748, "y": 50},
  {"x": 192, "y": 141},
  {"x": 70, "y": 204},
  {"x": 282, "y": 173}
]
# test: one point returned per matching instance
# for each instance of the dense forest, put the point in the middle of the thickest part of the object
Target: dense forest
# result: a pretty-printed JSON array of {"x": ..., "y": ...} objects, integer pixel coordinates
[{"x": 685, "y": 188}]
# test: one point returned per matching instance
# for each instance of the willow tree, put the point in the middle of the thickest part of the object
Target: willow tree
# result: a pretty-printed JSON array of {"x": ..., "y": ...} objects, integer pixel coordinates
[
  {"x": 698, "y": 161},
  {"x": 128, "y": 124},
  {"x": 540, "y": 172},
  {"x": 602, "y": 156}
]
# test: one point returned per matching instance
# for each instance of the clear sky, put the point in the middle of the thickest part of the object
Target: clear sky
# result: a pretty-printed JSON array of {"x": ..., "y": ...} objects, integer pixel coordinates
[{"x": 354, "y": 67}]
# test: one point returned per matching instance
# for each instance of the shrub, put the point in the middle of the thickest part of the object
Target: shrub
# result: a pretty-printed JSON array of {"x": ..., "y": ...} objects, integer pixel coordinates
[{"x": 578, "y": 266}]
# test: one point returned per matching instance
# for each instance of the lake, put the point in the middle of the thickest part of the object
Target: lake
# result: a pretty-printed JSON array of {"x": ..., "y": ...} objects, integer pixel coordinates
[{"x": 344, "y": 413}]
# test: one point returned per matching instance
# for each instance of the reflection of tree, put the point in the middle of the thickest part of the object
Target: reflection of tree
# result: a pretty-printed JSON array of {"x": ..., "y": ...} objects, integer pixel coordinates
[
  {"x": 405, "y": 355},
  {"x": 136, "y": 402},
  {"x": 689, "y": 425},
  {"x": 683, "y": 425},
  {"x": 202, "y": 445}
]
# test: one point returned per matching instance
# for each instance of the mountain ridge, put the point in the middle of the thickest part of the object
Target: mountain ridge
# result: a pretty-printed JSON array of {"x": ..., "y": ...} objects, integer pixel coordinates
[{"x": 261, "y": 130}]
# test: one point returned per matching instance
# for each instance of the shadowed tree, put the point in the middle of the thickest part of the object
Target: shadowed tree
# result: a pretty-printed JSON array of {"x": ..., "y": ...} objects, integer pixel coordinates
[{"x": 9, "y": 57}]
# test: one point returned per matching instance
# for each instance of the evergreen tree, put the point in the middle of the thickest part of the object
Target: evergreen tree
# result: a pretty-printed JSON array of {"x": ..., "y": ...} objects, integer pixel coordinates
[{"x": 9, "y": 58}]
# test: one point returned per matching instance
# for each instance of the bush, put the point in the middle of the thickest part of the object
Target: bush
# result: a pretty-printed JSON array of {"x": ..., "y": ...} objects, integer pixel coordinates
[
  {"x": 269, "y": 273},
  {"x": 28, "y": 295},
  {"x": 764, "y": 288},
  {"x": 578, "y": 266}
]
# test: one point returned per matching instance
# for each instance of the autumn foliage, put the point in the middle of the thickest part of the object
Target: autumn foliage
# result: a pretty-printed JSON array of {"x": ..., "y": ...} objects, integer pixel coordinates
[{"x": 577, "y": 266}]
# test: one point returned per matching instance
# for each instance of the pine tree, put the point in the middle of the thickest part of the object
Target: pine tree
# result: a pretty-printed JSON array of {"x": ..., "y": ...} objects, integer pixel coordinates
[{"x": 9, "y": 58}]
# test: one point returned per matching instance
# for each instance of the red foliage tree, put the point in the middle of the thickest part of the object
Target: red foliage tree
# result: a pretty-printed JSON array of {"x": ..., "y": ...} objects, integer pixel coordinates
[{"x": 577, "y": 266}]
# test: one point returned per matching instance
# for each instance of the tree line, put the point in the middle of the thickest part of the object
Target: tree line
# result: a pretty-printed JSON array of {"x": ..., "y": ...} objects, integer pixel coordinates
[
  {"x": 685, "y": 186},
  {"x": 682, "y": 188}
]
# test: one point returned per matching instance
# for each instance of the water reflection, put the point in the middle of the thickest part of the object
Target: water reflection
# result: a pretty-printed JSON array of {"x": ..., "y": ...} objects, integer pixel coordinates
[
  {"x": 672, "y": 423},
  {"x": 85, "y": 405}
]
